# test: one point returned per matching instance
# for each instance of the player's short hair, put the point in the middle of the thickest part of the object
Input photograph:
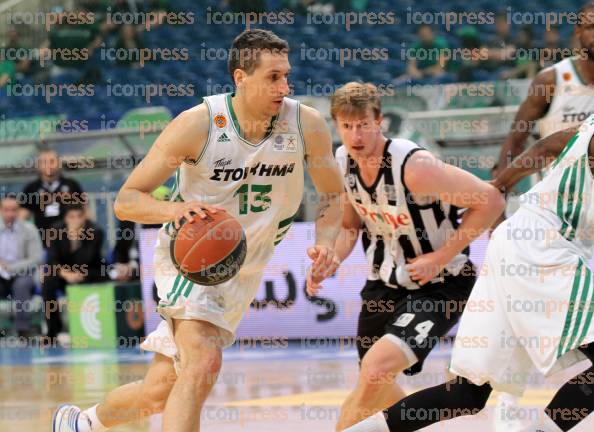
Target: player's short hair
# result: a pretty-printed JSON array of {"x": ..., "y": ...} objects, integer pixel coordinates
[
  {"x": 354, "y": 98},
  {"x": 246, "y": 49},
  {"x": 583, "y": 14}
]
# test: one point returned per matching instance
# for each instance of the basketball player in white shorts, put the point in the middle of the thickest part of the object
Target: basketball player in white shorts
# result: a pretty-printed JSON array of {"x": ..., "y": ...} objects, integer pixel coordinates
[
  {"x": 541, "y": 298},
  {"x": 242, "y": 152}
]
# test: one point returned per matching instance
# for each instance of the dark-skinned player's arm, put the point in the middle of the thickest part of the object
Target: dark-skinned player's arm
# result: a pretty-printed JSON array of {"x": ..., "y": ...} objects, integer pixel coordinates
[
  {"x": 427, "y": 176},
  {"x": 535, "y": 105},
  {"x": 326, "y": 177},
  {"x": 182, "y": 139},
  {"x": 534, "y": 159}
]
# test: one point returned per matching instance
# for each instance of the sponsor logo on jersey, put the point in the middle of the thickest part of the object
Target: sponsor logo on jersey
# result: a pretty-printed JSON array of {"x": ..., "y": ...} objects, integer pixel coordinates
[
  {"x": 285, "y": 143},
  {"x": 377, "y": 215},
  {"x": 223, "y": 138},
  {"x": 222, "y": 163},
  {"x": 570, "y": 116},
  {"x": 220, "y": 120},
  {"x": 260, "y": 169},
  {"x": 566, "y": 76},
  {"x": 351, "y": 180}
]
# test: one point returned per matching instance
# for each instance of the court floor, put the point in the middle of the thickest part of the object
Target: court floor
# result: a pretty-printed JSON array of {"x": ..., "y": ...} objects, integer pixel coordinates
[{"x": 294, "y": 388}]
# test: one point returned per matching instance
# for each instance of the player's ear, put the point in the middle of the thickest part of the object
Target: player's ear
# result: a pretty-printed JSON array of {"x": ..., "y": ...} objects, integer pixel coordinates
[
  {"x": 239, "y": 76},
  {"x": 379, "y": 119}
]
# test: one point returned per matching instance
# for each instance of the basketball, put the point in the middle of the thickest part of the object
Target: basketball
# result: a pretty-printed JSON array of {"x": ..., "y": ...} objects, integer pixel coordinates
[{"x": 209, "y": 251}]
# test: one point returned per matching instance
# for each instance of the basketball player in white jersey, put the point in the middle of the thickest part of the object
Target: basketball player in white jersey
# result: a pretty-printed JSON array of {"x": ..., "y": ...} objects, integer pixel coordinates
[
  {"x": 536, "y": 278},
  {"x": 406, "y": 203},
  {"x": 560, "y": 96},
  {"x": 243, "y": 152}
]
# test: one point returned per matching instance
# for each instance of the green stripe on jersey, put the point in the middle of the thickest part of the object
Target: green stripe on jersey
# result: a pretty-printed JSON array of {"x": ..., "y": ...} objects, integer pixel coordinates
[
  {"x": 568, "y": 146},
  {"x": 580, "y": 310}
]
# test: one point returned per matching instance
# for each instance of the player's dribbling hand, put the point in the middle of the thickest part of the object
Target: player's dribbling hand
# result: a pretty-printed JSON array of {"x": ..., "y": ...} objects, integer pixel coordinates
[
  {"x": 185, "y": 210},
  {"x": 325, "y": 263},
  {"x": 424, "y": 268}
]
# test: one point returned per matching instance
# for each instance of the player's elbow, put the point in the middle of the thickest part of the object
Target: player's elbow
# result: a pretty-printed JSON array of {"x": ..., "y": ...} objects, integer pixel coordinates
[
  {"x": 120, "y": 205},
  {"x": 493, "y": 202}
]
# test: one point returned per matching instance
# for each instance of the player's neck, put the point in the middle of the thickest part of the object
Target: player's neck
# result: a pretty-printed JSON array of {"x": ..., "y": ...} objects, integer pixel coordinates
[
  {"x": 253, "y": 126},
  {"x": 585, "y": 68}
]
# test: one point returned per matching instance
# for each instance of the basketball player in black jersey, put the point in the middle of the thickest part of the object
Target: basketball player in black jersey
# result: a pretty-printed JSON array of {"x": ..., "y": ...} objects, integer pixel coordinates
[{"x": 406, "y": 203}]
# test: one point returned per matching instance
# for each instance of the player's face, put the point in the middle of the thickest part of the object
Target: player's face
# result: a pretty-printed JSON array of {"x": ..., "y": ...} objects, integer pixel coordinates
[
  {"x": 268, "y": 84},
  {"x": 358, "y": 133},
  {"x": 585, "y": 32}
]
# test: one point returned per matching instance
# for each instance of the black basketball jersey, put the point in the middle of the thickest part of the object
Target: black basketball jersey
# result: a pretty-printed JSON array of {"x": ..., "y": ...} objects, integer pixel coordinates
[{"x": 395, "y": 227}]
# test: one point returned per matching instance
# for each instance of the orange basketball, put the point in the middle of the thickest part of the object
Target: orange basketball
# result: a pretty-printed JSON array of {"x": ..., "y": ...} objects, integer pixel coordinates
[{"x": 209, "y": 251}]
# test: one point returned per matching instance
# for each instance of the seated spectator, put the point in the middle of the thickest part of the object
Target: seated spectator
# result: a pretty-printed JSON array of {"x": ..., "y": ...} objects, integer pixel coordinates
[
  {"x": 551, "y": 52},
  {"x": 7, "y": 72},
  {"x": 74, "y": 257},
  {"x": 129, "y": 41},
  {"x": 44, "y": 198},
  {"x": 20, "y": 254},
  {"x": 525, "y": 62},
  {"x": 71, "y": 47},
  {"x": 427, "y": 56},
  {"x": 470, "y": 43},
  {"x": 501, "y": 47},
  {"x": 125, "y": 254}
]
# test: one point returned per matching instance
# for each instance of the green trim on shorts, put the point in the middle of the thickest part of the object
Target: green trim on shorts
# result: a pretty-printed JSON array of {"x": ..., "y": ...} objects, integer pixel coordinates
[{"x": 574, "y": 292}]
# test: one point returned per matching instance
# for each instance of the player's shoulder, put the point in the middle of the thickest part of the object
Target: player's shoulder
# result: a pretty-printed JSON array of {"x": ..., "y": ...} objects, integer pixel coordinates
[
  {"x": 310, "y": 117},
  {"x": 402, "y": 148},
  {"x": 547, "y": 76}
]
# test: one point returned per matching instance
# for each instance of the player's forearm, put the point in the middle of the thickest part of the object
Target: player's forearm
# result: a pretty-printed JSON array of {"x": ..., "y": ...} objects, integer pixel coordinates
[
  {"x": 475, "y": 221},
  {"x": 328, "y": 219},
  {"x": 513, "y": 146},
  {"x": 534, "y": 159},
  {"x": 141, "y": 207},
  {"x": 345, "y": 242}
]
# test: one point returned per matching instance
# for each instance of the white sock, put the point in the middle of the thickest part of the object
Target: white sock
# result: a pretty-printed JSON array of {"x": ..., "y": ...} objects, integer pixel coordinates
[
  {"x": 375, "y": 423},
  {"x": 89, "y": 422}
]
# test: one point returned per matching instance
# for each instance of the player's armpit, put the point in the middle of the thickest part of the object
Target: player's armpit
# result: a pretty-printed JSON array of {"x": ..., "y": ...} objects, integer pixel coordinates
[{"x": 182, "y": 139}]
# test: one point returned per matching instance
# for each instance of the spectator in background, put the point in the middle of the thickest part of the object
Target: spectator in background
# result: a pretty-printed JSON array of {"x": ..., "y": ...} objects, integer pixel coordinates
[
  {"x": 426, "y": 57},
  {"x": 20, "y": 254},
  {"x": 551, "y": 52},
  {"x": 7, "y": 72},
  {"x": 470, "y": 43},
  {"x": 125, "y": 254},
  {"x": 501, "y": 47},
  {"x": 526, "y": 56},
  {"x": 129, "y": 41},
  {"x": 72, "y": 46},
  {"x": 74, "y": 257},
  {"x": 45, "y": 196}
]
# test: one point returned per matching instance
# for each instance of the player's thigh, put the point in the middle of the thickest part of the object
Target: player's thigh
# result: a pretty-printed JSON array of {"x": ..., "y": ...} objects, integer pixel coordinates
[{"x": 374, "y": 315}]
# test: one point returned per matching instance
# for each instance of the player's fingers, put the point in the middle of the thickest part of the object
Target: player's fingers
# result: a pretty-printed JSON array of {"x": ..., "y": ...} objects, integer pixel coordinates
[
  {"x": 312, "y": 253},
  {"x": 188, "y": 216},
  {"x": 323, "y": 253}
]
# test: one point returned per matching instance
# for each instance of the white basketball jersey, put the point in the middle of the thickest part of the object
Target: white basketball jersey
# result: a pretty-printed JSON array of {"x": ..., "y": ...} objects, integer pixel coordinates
[
  {"x": 564, "y": 196},
  {"x": 573, "y": 100},
  {"x": 395, "y": 227},
  {"x": 259, "y": 184}
]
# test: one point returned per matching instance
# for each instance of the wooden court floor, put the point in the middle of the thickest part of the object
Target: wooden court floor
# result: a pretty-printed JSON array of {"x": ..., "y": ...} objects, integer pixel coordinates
[{"x": 258, "y": 390}]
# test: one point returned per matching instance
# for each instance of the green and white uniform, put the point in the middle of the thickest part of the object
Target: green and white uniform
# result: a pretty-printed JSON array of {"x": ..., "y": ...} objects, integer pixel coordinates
[
  {"x": 259, "y": 184},
  {"x": 533, "y": 303}
]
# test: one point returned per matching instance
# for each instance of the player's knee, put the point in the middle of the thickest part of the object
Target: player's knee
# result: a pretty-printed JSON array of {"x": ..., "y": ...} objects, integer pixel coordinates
[
  {"x": 378, "y": 372},
  {"x": 201, "y": 361}
]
